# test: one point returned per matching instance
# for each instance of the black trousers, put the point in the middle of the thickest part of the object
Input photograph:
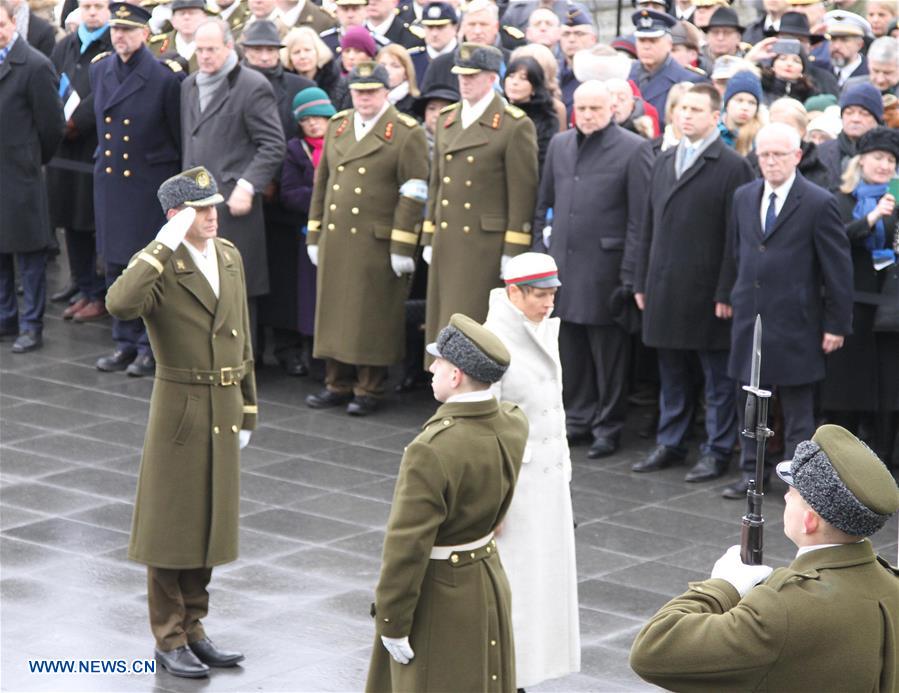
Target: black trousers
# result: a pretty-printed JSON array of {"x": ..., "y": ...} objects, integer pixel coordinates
[
  {"x": 594, "y": 378},
  {"x": 798, "y": 406},
  {"x": 82, "y": 251}
]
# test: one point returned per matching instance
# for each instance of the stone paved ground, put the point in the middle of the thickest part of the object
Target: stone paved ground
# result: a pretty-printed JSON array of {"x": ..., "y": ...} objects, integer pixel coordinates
[{"x": 316, "y": 488}]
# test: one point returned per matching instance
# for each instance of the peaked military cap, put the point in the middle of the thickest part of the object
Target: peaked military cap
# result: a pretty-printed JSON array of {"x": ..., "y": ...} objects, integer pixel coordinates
[
  {"x": 843, "y": 23},
  {"x": 438, "y": 14},
  {"x": 651, "y": 24},
  {"x": 843, "y": 481},
  {"x": 471, "y": 58},
  {"x": 193, "y": 188},
  {"x": 189, "y": 5},
  {"x": 124, "y": 14},
  {"x": 261, "y": 33},
  {"x": 369, "y": 75},
  {"x": 532, "y": 269},
  {"x": 471, "y": 348}
]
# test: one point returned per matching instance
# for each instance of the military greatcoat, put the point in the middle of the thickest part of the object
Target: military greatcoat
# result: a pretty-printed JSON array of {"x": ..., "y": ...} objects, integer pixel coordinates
[
  {"x": 358, "y": 218},
  {"x": 188, "y": 491},
  {"x": 828, "y": 622},
  {"x": 481, "y": 201},
  {"x": 454, "y": 486}
]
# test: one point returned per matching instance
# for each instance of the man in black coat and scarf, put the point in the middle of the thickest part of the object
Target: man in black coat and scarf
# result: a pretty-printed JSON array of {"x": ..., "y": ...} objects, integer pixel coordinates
[{"x": 861, "y": 109}]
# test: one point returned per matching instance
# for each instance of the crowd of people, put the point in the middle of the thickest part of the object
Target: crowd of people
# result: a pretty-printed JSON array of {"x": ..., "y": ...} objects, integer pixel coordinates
[{"x": 381, "y": 168}]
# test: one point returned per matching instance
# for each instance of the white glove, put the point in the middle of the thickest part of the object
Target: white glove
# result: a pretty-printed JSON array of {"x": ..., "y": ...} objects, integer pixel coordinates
[
  {"x": 312, "y": 251},
  {"x": 243, "y": 438},
  {"x": 743, "y": 577},
  {"x": 173, "y": 231},
  {"x": 503, "y": 261},
  {"x": 547, "y": 234},
  {"x": 401, "y": 264},
  {"x": 399, "y": 648},
  {"x": 427, "y": 253}
]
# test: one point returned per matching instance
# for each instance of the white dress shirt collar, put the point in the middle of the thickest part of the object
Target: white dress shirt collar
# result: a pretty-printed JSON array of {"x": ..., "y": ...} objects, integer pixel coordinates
[
  {"x": 781, "y": 191},
  {"x": 845, "y": 72},
  {"x": 448, "y": 48},
  {"x": 363, "y": 127},
  {"x": 476, "y": 396},
  {"x": 807, "y": 549},
  {"x": 185, "y": 49},
  {"x": 382, "y": 28},
  {"x": 471, "y": 112},
  {"x": 291, "y": 17},
  {"x": 207, "y": 262}
]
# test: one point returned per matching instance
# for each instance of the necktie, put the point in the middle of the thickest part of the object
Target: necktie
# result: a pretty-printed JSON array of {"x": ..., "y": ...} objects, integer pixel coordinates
[{"x": 771, "y": 214}]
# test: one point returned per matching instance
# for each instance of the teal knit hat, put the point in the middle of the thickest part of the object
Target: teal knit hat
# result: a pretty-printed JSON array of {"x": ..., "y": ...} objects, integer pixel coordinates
[{"x": 312, "y": 101}]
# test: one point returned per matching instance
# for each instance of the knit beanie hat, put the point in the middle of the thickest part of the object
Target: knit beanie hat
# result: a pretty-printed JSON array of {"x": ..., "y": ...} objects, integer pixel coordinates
[
  {"x": 744, "y": 81},
  {"x": 865, "y": 95},
  {"x": 820, "y": 102},
  {"x": 312, "y": 101},
  {"x": 358, "y": 37}
]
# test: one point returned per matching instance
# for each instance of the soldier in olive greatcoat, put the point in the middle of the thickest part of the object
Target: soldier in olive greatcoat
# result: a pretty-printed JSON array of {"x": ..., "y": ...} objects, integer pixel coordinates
[
  {"x": 482, "y": 193},
  {"x": 188, "y": 286},
  {"x": 364, "y": 222}
]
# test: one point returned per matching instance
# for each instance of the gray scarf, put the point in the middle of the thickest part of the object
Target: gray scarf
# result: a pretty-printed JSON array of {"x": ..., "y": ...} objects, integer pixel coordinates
[{"x": 208, "y": 83}]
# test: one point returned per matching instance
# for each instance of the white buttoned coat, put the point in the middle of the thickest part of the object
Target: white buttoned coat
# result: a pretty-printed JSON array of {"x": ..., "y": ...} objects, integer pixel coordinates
[{"x": 536, "y": 543}]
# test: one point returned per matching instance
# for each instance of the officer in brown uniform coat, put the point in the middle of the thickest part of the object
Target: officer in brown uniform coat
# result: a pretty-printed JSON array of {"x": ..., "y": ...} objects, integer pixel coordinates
[
  {"x": 442, "y": 605},
  {"x": 828, "y": 622},
  {"x": 364, "y": 222},
  {"x": 188, "y": 286},
  {"x": 483, "y": 189},
  {"x": 187, "y": 15}
]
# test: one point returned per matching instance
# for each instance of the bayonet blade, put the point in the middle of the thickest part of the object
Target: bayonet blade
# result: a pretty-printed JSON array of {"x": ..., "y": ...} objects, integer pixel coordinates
[{"x": 756, "y": 368}]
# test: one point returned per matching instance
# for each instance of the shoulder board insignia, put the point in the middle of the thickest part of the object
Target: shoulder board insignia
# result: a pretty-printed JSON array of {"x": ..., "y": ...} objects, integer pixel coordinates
[
  {"x": 697, "y": 70},
  {"x": 341, "y": 114},
  {"x": 226, "y": 242},
  {"x": 452, "y": 106},
  {"x": 328, "y": 32},
  {"x": 514, "y": 111},
  {"x": 407, "y": 120},
  {"x": 417, "y": 31},
  {"x": 157, "y": 38},
  {"x": 388, "y": 131},
  {"x": 100, "y": 56},
  {"x": 514, "y": 32},
  {"x": 173, "y": 65},
  {"x": 415, "y": 49},
  {"x": 179, "y": 264},
  {"x": 435, "y": 427}
]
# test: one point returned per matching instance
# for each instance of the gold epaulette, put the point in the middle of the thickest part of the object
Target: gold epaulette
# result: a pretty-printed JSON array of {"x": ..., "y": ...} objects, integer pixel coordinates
[
  {"x": 342, "y": 114},
  {"x": 100, "y": 56},
  {"x": 158, "y": 37},
  {"x": 173, "y": 65},
  {"x": 447, "y": 109},
  {"x": 407, "y": 120},
  {"x": 515, "y": 111},
  {"x": 514, "y": 32},
  {"x": 697, "y": 70},
  {"x": 226, "y": 242},
  {"x": 416, "y": 31}
]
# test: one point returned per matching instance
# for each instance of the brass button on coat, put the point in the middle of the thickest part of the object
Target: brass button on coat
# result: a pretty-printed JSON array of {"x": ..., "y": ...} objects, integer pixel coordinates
[
  {"x": 127, "y": 174},
  {"x": 107, "y": 119},
  {"x": 234, "y": 332},
  {"x": 215, "y": 429},
  {"x": 234, "y": 428}
]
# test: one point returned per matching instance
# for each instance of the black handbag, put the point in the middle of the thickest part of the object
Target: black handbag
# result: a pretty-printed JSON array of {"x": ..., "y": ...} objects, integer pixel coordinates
[{"x": 886, "y": 318}]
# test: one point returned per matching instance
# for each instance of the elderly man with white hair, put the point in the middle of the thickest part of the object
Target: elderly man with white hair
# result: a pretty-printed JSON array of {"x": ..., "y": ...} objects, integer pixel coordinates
[{"x": 792, "y": 267}]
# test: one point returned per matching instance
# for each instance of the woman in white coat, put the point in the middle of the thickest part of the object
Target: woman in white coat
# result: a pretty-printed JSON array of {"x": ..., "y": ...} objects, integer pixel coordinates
[{"x": 536, "y": 539}]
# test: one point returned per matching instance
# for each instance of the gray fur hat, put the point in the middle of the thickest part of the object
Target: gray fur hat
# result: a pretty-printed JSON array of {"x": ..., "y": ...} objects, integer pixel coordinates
[
  {"x": 193, "y": 188},
  {"x": 471, "y": 348},
  {"x": 471, "y": 58},
  {"x": 843, "y": 481}
]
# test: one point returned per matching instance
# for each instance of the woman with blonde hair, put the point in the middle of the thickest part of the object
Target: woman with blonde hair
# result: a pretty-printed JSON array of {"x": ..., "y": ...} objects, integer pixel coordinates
[
  {"x": 547, "y": 61},
  {"x": 401, "y": 72},
  {"x": 307, "y": 55},
  {"x": 672, "y": 134}
]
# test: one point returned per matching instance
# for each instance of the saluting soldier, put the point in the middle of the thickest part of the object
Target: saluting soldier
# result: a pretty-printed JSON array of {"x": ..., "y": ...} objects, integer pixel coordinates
[
  {"x": 364, "y": 222},
  {"x": 136, "y": 105},
  {"x": 189, "y": 288},
  {"x": 442, "y": 606},
  {"x": 482, "y": 192},
  {"x": 187, "y": 15},
  {"x": 828, "y": 622}
]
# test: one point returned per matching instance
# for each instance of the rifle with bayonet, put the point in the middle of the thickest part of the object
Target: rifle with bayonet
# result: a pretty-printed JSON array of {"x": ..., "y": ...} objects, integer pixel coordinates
[{"x": 756, "y": 428}]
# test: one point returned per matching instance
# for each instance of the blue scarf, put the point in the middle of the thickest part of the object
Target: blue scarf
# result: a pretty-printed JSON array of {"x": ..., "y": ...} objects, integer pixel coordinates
[
  {"x": 88, "y": 37},
  {"x": 867, "y": 195}
]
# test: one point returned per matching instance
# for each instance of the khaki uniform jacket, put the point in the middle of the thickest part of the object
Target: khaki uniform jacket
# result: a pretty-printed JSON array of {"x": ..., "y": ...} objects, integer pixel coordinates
[
  {"x": 316, "y": 17},
  {"x": 455, "y": 484},
  {"x": 481, "y": 201},
  {"x": 358, "y": 218},
  {"x": 163, "y": 45},
  {"x": 829, "y": 622},
  {"x": 188, "y": 490}
]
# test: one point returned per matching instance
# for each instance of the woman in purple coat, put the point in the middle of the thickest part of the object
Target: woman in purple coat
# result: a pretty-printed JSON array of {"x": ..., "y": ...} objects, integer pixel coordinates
[{"x": 311, "y": 109}]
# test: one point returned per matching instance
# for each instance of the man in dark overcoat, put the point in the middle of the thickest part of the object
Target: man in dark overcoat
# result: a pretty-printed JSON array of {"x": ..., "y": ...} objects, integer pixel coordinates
[
  {"x": 189, "y": 288},
  {"x": 136, "y": 101},
  {"x": 682, "y": 281},
  {"x": 70, "y": 175},
  {"x": 794, "y": 268},
  {"x": 231, "y": 104},
  {"x": 595, "y": 181},
  {"x": 31, "y": 123}
]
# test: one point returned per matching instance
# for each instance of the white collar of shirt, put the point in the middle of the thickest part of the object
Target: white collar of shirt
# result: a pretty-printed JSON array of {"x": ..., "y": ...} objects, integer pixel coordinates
[
  {"x": 381, "y": 28},
  {"x": 845, "y": 72},
  {"x": 185, "y": 49},
  {"x": 207, "y": 262},
  {"x": 398, "y": 93},
  {"x": 226, "y": 12},
  {"x": 448, "y": 48},
  {"x": 781, "y": 191},
  {"x": 291, "y": 16},
  {"x": 476, "y": 396},
  {"x": 471, "y": 112},
  {"x": 685, "y": 15},
  {"x": 417, "y": 10},
  {"x": 771, "y": 24},
  {"x": 275, "y": 14},
  {"x": 363, "y": 127},
  {"x": 807, "y": 549}
]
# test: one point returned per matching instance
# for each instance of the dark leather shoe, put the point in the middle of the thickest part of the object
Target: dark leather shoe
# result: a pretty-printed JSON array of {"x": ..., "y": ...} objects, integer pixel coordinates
[
  {"x": 707, "y": 467},
  {"x": 410, "y": 382},
  {"x": 327, "y": 398},
  {"x": 736, "y": 490},
  {"x": 660, "y": 458},
  {"x": 602, "y": 447},
  {"x": 362, "y": 406},
  {"x": 143, "y": 366},
  {"x": 73, "y": 308},
  {"x": 116, "y": 361},
  {"x": 27, "y": 341},
  {"x": 182, "y": 662},
  {"x": 293, "y": 365},
  {"x": 64, "y": 294},
  {"x": 94, "y": 310},
  {"x": 209, "y": 654}
]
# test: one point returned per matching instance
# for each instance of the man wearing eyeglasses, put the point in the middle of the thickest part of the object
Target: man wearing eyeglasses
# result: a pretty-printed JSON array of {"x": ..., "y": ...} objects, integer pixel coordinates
[
  {"x": 578, "y": 33},
  {"x": 793, "y": 268}
]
